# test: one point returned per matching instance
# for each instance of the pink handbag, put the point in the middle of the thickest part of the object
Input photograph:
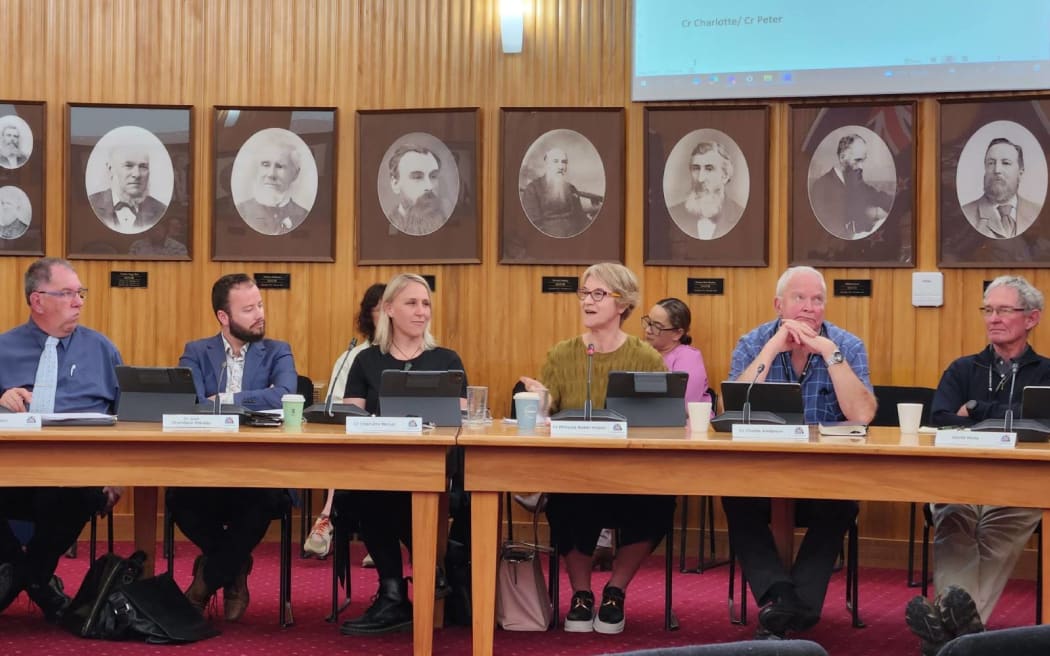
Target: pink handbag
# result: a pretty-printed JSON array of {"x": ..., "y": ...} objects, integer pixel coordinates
[{"x": 522, "y": 602}]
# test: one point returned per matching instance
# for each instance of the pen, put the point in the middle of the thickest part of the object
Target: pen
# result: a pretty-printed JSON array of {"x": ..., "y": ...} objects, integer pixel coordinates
[{"x": 72, "y": 370}]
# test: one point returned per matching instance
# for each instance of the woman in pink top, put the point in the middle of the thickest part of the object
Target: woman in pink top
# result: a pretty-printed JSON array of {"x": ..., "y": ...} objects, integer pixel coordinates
[{"x": 667, "y": 330}]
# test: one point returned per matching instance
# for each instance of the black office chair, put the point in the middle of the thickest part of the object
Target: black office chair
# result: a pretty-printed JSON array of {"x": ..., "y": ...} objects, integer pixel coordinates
[
  {"x": 927, "y": 524},
  {"x": 706, "y": 524},
  {"x": 1018, "y": 641},
  {"x": 888, "y": 397},
  {"x": 285, "y": 585},
  {"x": 746, "y": 648},
  {"x": 852, "y": 582}
]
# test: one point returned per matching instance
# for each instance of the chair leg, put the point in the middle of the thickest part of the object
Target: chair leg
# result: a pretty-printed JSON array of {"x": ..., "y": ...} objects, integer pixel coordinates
[
  {"x": 740, "y": 618},
  {"x": 1039, "y": 576},
  {"x": 93, "y": 539},
  {"x": 553, "y": 588},
  {"x": 670, "y": 619},
  {"x": 912, "y": 583},
  {"x": 925, "y": 583},
  {"x": 707, "y": 525},
  {"x": 682, "y": 528},
  {"x": 852, "y": 579},
  {"x": 340, "y": 567},
  {"x": 509, "y": 502},
  {"x": 285, "y": 592},
  {"x": 306, "y": 517},
  {"x": 109, "y": 534}
]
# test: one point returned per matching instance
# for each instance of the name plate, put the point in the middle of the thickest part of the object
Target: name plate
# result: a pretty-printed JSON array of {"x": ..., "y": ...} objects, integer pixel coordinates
[
  {"x": 22, "y": 421},
  {"x": 588, "y": 428},
  {"x": 770, "y": 433},
  {"x": 223, "y": 423},
  {"x": 384, "y": 425},
  {"x": 975, "y": 439}
]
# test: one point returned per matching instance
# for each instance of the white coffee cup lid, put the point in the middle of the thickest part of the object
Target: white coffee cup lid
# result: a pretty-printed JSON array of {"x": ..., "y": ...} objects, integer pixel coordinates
[
  {"x": 527, "y": 395},
  {"x": 292, "y": 398}
]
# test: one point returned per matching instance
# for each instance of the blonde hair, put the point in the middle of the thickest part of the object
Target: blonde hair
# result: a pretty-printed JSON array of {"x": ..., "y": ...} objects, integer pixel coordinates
[
  {"x": 384, "y": 336},
  {"x": 622, "y": 281}
]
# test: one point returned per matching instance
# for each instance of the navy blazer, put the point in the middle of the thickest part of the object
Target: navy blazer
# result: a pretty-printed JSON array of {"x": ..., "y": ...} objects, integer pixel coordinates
[{"x": 269, "y": 371}]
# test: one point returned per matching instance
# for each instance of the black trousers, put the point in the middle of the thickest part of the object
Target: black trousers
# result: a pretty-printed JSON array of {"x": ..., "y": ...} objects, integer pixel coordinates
[
  {"x": 576, "y": 520},
  {"x": 753, "y": 543},
  {"x": 225, "y": 523},
  {"x": 58, "y": 515},
  {"x": 384, "y": 521}
]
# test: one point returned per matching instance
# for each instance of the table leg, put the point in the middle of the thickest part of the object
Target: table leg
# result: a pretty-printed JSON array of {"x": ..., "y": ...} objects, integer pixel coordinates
[
  {"x": 145, "y": 499},
  {"x": 1045, "y": 537},
  {"x": 484, "y": 516},
  {"x": 424, "y": 560}
]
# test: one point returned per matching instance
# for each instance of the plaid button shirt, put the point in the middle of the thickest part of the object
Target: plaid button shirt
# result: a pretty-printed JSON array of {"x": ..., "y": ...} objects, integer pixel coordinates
[{"x": 818, "y": 393}]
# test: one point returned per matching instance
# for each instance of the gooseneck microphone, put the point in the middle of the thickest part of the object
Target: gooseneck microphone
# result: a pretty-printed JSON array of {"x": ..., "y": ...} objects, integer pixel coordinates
[
  {"x": 218, "y": 389},
  {"x": 588, "y": 404},
  {"x": 746, "y": 414},
  {"x": 331, "y": 386},
  {"x": 1008, "y": 423}
]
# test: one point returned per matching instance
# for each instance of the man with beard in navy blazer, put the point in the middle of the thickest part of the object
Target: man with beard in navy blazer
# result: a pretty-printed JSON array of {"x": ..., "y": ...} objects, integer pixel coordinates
[{"x": 238, "y": 366}]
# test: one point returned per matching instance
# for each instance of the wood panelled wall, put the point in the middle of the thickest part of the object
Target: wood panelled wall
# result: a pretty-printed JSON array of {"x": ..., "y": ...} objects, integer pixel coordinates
[{"x": 377, "y": 54}]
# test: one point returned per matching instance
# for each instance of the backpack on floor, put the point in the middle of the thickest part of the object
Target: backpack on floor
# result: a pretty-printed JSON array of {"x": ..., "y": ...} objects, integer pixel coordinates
[{"x": 114, "y": 603}]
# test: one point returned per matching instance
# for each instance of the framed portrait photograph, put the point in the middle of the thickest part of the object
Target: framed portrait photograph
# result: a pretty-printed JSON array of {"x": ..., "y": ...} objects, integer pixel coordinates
[
  {"x": 129, "y": 190},
  {"x": 706, "y": 176},
  {"x": 993, "y": 173},
  {"x": 22, "y": 156},
  {"x": 417, "y": 186},
  {"x": 274, "y": 194},
  {"x": 852, "y": 184},
  {"x": 561, "y": 179}
]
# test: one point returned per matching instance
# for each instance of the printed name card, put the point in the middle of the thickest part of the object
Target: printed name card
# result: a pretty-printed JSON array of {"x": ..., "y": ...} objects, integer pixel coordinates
[
  {"x": 221, "y": 423},
  {"x": 21, "y": 421},
  {"x": 975, "y": 439},
  {"x": 383, "y": 425},
  {"x": 770, "y": 433},
  {"x": 588, "y": 428}
]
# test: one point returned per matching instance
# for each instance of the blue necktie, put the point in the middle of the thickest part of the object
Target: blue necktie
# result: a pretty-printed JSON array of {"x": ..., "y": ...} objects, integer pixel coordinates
[{"x": 46, "y": 379}]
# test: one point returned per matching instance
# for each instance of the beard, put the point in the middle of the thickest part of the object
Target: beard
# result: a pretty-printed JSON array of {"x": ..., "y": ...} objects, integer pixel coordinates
[
  {"x": 269, "y": 196},
  {"x": 248, "y": 334},
  {"x": 997, "y": 188},
  {"x": 705, "y": 200},
  {"x": 427, "y": 208},
  {"x": 9, "y": 150},
  {"x": 556, "y": 190}
]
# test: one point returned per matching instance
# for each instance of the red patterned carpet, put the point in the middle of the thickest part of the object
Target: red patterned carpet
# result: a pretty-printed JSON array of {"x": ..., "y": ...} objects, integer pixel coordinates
[{"x": 699, "y": 604}]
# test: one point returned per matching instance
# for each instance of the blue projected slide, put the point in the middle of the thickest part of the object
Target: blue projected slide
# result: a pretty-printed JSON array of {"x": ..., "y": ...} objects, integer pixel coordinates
[{"x": 752, "y": 48}]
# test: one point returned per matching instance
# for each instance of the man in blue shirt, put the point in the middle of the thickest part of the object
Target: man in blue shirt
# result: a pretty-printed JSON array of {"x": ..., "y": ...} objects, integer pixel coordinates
[
  {"x": 832, "y": 366},
  {"x": 82, "y": 378},
  {"x": 239, "y": 366}
]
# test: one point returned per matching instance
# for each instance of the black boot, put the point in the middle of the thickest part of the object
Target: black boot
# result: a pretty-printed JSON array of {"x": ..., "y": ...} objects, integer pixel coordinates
[{"x": 390, "y": 611}]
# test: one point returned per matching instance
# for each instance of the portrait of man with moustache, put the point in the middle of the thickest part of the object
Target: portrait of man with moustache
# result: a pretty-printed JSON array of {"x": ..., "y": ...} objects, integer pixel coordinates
[
  {"x": 707, "y": 212},
  {"x": 13, "y": 151},
  {"x": 274, "y": 168},
  {"x": 552, "y": 203},
  {"x": 1001, "y": 212},
  {"x": 415, "y": 179},
  {"x": 846, "y": 204}
]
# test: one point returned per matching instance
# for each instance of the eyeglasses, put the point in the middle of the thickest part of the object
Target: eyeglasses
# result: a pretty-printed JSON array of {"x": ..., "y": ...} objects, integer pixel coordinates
[
  {"x": 649, "y": 324},
  {"x": 1004, "y": 312},
  {"x": 65, "y": 294},
  {"x": 596, "y": 294}
]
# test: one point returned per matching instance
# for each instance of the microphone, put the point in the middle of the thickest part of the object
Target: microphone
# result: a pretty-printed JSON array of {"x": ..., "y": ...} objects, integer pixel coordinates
[
  {"x": 338, "y": 374},
  {"x": 331, "y": 412},
  {"x": 747, "y": 396},
  {"x": 588, "y": 404},
  {"x": 1008, "y": 422},
  {"x": 218, "y": 389}
]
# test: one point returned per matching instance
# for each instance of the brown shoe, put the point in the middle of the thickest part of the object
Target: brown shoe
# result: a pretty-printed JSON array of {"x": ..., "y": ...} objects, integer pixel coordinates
[
  {"x": 235, "y": 596},
  {"x": 198, "y": 593}
]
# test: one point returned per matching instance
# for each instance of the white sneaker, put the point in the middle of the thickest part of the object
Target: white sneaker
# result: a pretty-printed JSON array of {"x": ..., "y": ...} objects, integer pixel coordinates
[{"x": 319, "y": 542}]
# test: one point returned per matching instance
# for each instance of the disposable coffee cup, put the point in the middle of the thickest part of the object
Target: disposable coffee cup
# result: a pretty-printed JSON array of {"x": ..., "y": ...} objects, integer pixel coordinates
[
  {"x": 699, "y": 416},
  {"x": 526, "y": 407},
  {"x": 293, "y": 411},
  {"x": 909, "y": 415}
]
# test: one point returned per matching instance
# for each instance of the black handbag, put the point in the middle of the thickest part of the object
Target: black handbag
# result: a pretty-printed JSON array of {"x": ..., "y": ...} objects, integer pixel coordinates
[{"x": 114, "y": 603}]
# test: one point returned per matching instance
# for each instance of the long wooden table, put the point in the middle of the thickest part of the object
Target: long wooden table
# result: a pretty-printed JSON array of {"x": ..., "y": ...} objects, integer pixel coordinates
[
  {"x": 885, "y": 466},
  {"x": 320, "y": 456}
]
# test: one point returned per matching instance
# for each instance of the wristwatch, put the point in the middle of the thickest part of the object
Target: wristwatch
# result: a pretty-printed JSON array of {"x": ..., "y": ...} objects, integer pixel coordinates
[{"x": 834, "y": 358}]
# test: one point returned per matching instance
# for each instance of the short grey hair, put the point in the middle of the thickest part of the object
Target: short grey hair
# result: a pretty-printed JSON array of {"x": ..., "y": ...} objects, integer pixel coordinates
[
  {"x": 39, "y": 273},
  {"x": 1028, "y": 296},
  {"x": 786, "y": 277},
  {"x": 705, "y": 147}
]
